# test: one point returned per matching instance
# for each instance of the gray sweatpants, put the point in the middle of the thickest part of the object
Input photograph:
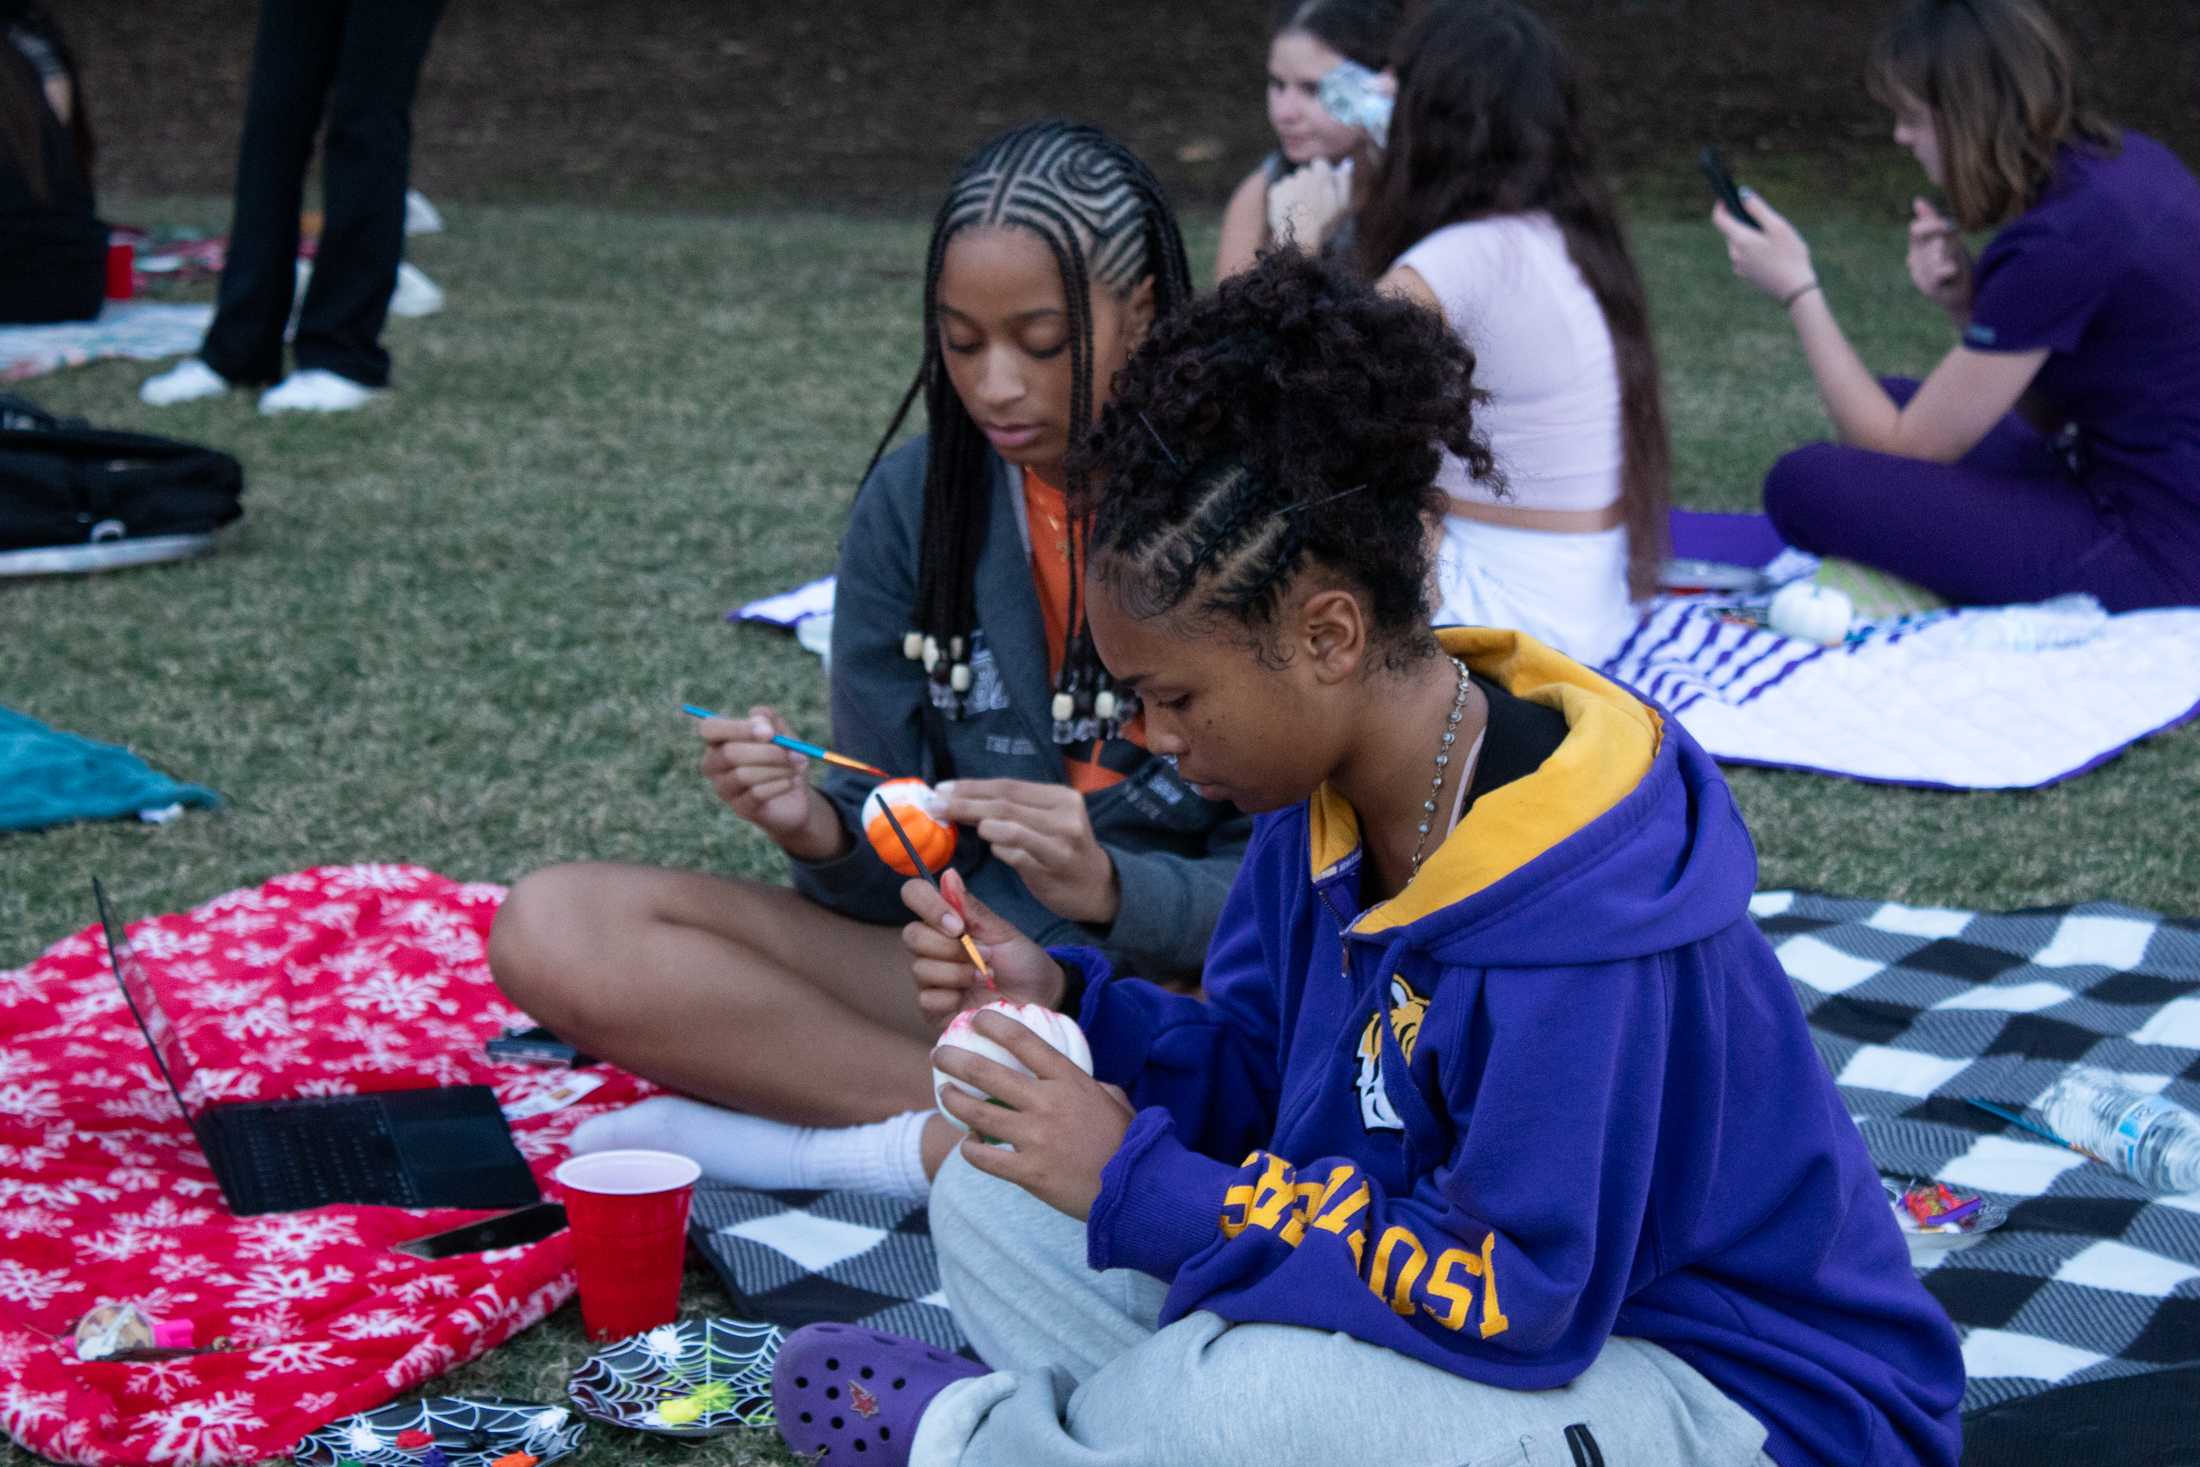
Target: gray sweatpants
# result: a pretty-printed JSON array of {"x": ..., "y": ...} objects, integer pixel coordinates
[{"x": 1082, "y": 1378}]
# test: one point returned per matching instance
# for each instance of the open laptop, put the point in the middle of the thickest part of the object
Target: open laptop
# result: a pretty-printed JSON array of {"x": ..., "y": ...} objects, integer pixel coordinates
[{"x": 397, "y": 1148}]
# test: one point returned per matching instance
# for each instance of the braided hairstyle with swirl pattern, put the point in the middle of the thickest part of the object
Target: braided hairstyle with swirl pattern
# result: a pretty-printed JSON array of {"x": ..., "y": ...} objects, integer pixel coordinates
[
  {"x": 1291, "y": 420},
  {"x": 1102, "y": 214}
]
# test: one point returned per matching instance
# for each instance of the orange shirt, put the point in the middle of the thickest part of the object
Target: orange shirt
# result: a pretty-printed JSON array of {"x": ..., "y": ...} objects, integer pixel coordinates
[{"x": 1047, "y": 517}]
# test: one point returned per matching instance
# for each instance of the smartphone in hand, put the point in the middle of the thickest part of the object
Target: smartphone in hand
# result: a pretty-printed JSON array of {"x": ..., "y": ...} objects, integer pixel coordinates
[{"x": 1722, "y": 183}]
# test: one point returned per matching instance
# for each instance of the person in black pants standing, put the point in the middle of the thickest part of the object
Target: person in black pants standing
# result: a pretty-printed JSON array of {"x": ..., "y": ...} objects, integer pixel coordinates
[{"x": 357, "y": 61}]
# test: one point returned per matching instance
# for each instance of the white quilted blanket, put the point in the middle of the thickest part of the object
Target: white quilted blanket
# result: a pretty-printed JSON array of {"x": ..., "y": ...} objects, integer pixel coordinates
[{"x": 1920, "y": 701}]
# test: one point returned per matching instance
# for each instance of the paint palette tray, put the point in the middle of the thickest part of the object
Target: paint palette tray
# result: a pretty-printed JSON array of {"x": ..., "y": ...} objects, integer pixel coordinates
[
  {"x": 696, "y": 1378},
  {"x": 471, "y": 1431},
  {"x": 1925, "y": 1238}
]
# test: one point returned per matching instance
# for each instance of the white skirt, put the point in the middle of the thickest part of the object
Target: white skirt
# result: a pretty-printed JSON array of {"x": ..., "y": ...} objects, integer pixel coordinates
[{"x": 1567, "y": 591}]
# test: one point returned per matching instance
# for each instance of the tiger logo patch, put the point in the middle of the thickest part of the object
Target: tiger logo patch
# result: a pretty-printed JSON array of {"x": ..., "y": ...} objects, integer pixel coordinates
[{"x": 1407, "y": 1009}]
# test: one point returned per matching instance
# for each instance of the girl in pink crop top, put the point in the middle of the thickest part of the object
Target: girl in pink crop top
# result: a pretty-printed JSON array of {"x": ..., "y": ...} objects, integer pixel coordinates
[
  {"x": 1543, "y": 352},
  {"x": 1487, "y": 207}
]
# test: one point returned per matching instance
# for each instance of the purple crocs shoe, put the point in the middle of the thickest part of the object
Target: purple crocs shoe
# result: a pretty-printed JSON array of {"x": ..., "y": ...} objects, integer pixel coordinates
[{"x": 855, "y": 1395}]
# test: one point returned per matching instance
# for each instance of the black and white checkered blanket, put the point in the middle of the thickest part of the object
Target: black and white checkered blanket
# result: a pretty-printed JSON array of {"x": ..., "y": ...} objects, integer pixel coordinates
[
  {"x": 794, "y": 1258},
  {"x": 1913, "y": 1009}
]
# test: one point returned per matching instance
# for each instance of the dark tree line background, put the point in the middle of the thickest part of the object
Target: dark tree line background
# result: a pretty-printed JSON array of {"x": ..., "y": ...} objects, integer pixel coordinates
[{"x": 711, "y": 104}]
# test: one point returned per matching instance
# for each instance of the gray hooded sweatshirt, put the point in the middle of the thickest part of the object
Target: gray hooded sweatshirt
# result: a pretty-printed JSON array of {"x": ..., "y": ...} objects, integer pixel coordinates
[{"x": 1175, "y": 853}]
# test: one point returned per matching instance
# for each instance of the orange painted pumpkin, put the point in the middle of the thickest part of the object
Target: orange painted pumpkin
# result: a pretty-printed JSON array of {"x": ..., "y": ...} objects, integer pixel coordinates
[{"x": 913, "y": 802}]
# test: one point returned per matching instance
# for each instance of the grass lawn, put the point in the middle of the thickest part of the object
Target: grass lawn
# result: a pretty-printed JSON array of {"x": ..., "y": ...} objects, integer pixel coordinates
[{"x": 454, "y": 629}]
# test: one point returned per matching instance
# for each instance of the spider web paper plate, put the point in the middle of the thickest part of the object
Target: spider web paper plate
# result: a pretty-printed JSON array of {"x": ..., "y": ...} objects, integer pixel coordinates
[
  {"x": 473, "y": 1431},
  {"x": 712, "y": 1375}
]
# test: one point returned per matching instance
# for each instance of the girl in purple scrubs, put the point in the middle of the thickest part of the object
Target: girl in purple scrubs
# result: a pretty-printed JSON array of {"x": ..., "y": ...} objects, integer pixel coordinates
[{"x": 2056, "y": 448}]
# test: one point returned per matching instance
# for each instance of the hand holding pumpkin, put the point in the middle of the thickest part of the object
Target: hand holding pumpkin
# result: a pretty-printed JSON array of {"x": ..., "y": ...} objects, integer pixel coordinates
[
  {"x": 1060, "y": 1031},
  {"x": 946, "y": 982},
  {"x": 917, "y": 808},
  {"x": 1044, "y": 833},
  {"x": 1061, "y": 1125}
]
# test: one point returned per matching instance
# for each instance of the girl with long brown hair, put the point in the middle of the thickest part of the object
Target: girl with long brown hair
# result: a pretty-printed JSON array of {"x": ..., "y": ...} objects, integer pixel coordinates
[
  {"x": 1308, "y": 40},
  {"x": 2056, "y": 448},
  {"x": 1487, "y": 206}
]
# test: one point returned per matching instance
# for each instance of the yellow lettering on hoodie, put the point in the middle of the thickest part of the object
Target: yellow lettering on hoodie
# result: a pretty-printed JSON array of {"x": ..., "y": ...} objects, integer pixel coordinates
[
  {"x": 1400, "y": 1295},
  {"x": 1399, "y": 1272},
  {"x": 1336, "y": 1215},
  {"x": 1273, "y": 1195},
  {"x": 1317, "y": 1197},
  {"x": 1236, "y": 1201},
  {"x": 1457, "y": 1293},
  {"x": 1494, "y": 1321}
]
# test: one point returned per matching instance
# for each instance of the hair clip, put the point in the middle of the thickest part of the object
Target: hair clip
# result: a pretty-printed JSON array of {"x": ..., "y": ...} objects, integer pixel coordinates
[
  {"x": 1326, "y": 499},
  {"x": 1162, "y": 443}
]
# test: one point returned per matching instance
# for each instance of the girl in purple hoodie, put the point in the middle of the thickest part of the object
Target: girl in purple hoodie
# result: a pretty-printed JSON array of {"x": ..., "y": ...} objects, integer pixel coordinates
[{"x": 1499, "y": 1136}]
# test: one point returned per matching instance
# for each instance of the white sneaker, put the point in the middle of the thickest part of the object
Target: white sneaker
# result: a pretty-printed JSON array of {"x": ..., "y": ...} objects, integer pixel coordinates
[
  {"x": 416, "y": 294},
  {"x": 316, "y": 390},
  {"x": 187, "y": 381},
  {"x": 421, "y": 217},
  {"x": 413, "y": 295}
]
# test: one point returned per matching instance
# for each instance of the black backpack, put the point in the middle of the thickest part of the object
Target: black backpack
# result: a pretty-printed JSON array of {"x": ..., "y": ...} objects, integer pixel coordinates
[{"x": 64, "y": 483}]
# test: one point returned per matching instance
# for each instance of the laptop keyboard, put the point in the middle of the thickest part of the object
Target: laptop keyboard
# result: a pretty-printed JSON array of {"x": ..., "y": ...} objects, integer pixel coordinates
[{"x": 300, "y": 1154}]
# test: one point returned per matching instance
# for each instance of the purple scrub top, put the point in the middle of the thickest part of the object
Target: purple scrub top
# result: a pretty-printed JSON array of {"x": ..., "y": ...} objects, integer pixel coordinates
[{"x": 2104, "y": 271}]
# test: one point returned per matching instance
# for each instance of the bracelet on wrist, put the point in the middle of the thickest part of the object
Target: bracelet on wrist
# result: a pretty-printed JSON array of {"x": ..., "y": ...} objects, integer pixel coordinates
[{"x": 1797, "y": 294}]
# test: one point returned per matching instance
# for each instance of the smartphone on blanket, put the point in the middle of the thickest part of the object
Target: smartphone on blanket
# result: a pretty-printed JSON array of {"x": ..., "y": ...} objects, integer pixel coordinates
[
  {"x": 505, "y": 1230},
  {"x": 536, "y": 1046}
]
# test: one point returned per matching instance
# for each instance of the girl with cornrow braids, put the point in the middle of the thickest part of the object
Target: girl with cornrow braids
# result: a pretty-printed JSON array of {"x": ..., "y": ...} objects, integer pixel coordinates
[
  {"x": 960, "y": 654},
  {"x": 1466, "y": 1155}
]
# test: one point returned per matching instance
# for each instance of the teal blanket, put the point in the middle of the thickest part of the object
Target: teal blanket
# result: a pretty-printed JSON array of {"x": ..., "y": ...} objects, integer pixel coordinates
[{"x": 51, "y": 778}]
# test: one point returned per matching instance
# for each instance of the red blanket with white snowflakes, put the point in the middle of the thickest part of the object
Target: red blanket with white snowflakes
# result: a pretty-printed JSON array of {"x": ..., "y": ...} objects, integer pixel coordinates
[{"x": 329, "y": 981}]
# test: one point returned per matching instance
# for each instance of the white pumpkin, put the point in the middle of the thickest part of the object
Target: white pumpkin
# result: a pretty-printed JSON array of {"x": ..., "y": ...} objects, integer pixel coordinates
[
  {"x": 1810, "y": 612},
  {"x": 1058, "y": 1030}
]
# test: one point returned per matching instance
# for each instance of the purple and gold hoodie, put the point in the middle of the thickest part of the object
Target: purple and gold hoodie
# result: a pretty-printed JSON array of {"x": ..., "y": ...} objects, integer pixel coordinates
[{"x": 1554, "y": 1090}]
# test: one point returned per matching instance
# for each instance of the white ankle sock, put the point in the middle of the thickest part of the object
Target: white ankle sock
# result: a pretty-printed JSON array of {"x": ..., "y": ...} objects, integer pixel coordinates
[{"x": 885, "y": 1158}]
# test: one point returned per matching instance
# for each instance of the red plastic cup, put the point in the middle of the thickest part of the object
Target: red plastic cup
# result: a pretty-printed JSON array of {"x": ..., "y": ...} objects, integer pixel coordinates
[
  {"x": 628, "y": 1211},
  {"x": 121, "y": 270}
]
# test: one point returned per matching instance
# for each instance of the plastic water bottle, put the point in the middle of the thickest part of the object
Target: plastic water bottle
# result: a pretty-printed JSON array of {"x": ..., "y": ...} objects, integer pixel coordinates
[
  {"x": 2149, "y": 1138},
  {"x": 2061, "y": 621}
]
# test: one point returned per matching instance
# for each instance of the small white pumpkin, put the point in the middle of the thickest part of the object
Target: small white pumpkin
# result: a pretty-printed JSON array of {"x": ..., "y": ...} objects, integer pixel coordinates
[
  {"x": 1810, "y": 612},
  {"x": 1058, "y": 1030}
]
